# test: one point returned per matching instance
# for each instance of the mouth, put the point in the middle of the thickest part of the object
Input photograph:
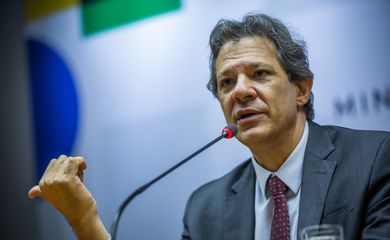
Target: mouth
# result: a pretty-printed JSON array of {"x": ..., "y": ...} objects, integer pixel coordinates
[{"x": 245, "y": 115}]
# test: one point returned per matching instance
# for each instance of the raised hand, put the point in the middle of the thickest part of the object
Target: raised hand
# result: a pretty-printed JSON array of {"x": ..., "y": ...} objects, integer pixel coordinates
[{"x": 62, "y": 186}]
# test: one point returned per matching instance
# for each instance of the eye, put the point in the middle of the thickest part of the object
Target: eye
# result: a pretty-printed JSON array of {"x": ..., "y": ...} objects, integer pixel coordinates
[
  {"x": 226, "y": 82},
  {"x": 259, "y": 74}
]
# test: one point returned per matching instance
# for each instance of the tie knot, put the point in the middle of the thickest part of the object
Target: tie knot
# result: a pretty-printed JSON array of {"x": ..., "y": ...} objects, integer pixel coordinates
[{"x": 276, "y": 186}]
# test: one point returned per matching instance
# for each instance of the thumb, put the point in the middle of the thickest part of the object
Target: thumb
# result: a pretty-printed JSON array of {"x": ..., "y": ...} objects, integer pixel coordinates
[{"x": 34, "y": 192}]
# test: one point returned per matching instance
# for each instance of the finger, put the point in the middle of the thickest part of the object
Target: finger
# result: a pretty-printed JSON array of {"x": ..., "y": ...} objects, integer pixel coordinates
[
  {"x": 62, "y": 158},
  {"x": 59, "y": 162},
  {"x": 82, "y": 167},
  {"x": 82, "y": 162},
  {"x": 49, "y": 167},
  {"x": 73, "y": 166},
  {"x": 34, "y": 192},
  {"x": 80, "y": 174}
]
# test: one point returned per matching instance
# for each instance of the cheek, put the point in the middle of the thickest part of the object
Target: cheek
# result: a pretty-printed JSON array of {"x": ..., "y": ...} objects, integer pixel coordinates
[
  {"x": 287, "y": 100},
  {"x": 283, "y": 99},
  {"x": 226, "y": 108}
]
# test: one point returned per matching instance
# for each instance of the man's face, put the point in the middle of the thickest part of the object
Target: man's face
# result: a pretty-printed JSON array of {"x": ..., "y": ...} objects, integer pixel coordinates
[{"x": 254, "y": 91}]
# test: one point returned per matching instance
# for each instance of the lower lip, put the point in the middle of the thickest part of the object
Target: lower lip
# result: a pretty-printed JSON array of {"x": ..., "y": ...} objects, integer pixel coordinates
[{"x": 249, "y": 119}]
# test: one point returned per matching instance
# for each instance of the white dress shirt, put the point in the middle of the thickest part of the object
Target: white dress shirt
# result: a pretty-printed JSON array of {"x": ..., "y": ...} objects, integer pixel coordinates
[{"x": 291, "y": 174}]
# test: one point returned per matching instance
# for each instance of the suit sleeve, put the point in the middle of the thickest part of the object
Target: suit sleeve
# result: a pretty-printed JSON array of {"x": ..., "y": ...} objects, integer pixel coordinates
[
  {"x": 185, "y": 234},
  {"x": 377, "y": 221}
]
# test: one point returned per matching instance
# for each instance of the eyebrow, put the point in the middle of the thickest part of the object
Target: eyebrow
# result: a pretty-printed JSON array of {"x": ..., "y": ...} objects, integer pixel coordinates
[{"x": 251, "y": 65}]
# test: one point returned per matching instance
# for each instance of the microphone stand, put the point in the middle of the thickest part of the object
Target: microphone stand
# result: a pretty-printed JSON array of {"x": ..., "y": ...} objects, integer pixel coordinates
[{"x": 228, "y": 132}]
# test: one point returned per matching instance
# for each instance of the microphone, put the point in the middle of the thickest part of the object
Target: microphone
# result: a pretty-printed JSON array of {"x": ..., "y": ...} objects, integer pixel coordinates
[{"x": 227, "y": 132}]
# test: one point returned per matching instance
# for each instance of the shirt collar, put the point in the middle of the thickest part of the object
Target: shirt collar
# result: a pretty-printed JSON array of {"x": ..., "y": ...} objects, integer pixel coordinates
[{"x": 291, "y": 170}]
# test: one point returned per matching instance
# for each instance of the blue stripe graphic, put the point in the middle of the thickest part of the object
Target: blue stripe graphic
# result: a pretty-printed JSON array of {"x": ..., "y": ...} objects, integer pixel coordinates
[{"x": 55, "y": 104}]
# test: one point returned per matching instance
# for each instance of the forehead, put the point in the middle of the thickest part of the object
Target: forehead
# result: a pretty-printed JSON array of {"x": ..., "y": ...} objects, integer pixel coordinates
[{"x": 248, "y": 51}]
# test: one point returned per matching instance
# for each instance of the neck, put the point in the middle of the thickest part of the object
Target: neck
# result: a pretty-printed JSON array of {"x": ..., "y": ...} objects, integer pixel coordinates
[{"x": 272, "y": 154}]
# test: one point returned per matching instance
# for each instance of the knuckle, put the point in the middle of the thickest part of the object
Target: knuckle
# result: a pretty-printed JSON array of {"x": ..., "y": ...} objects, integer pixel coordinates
[
  {"x": 75, "y": 159},
  {"x": 41, "y": 183},
  {"x": 70, "y": 160},
  {"x": 61, "y": 182},
  {"x": 44, "y": 184},
  {"x": 79, "y": 158},
  {"x": 57, "y": 182}
]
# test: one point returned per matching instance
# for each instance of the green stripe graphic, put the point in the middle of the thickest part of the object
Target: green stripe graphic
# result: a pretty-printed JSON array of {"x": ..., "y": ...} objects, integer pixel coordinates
[{"x": 100, "y": 15}]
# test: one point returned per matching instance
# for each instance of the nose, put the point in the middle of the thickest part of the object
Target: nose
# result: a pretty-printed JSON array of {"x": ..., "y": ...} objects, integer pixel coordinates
[{"x": 243, "y": 90}]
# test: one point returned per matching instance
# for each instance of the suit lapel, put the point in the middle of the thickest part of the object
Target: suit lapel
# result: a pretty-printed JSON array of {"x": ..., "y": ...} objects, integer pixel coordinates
[
  {"x": 316, "y": 176},
  {"x": 239, "y": 216}
]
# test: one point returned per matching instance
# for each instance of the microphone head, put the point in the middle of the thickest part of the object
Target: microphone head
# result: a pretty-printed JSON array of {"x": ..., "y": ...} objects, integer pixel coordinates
[{"x": 229, "y": 131}]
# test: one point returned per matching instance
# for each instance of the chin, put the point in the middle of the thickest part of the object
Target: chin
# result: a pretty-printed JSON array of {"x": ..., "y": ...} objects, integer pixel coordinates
[{"x": 252, "y": 135}]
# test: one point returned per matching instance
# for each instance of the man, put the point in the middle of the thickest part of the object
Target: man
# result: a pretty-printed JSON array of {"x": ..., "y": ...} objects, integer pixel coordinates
[{"x": 300, "y": 173}]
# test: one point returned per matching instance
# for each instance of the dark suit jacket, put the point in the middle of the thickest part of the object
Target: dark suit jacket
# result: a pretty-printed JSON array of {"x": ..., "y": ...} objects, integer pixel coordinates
[{"x": 345, "y": 180}]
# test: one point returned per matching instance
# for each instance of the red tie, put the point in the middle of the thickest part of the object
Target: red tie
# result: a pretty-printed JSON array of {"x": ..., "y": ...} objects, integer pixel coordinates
[{"x": 280, "y": 229}]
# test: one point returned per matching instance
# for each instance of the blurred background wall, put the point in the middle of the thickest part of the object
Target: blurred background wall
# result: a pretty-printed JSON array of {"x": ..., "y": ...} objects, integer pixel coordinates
[
  {"x": 18, "y": 217},
  {"x": 122, "y": 83}
]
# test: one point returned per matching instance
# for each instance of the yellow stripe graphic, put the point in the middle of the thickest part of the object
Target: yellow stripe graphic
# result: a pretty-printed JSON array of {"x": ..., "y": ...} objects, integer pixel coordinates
[{"x": 34, "y": 9}]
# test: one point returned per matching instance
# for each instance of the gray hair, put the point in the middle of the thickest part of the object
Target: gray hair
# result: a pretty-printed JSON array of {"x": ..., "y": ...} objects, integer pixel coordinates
[{"x": 291, "y": 53}]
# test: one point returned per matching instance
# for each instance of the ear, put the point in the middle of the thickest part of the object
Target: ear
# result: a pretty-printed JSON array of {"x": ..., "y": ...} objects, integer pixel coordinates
[{"x": 304, "y": 87}]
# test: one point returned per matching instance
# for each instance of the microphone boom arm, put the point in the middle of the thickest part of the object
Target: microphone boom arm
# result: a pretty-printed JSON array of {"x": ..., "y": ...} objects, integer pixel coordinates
[{"x": 228, "y": 132}]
